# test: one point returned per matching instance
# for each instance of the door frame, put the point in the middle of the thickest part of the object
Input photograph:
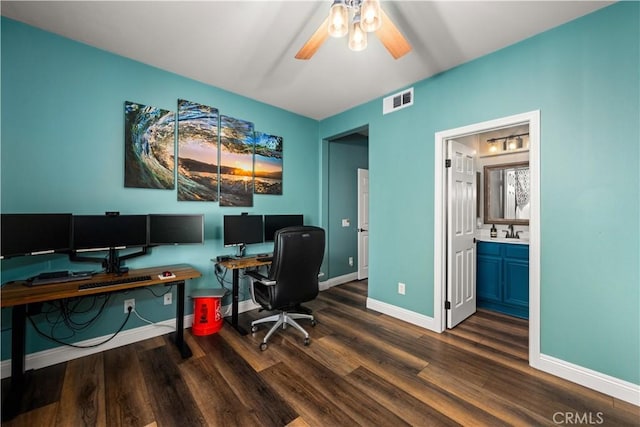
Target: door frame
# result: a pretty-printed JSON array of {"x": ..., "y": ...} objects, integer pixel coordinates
[{"x": 440, "y": 228}]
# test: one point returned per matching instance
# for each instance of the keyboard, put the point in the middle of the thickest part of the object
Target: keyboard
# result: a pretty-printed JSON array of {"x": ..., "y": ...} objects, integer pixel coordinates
[
  {"x": 115, "y": 282},
  {"x": 265, "y": 258}
]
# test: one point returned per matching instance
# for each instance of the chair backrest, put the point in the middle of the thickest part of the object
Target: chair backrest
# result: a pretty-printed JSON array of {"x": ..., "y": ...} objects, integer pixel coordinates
[{"x": 297, "y": 257}]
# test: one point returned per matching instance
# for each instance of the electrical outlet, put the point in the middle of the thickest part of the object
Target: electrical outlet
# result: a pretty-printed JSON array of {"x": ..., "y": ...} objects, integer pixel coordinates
[
  {"x": 168, "y": 298},
  {"x": 401, "y": 288},
  {"x": 350, "y": 261},
  {"x": 129, "y": 303}
]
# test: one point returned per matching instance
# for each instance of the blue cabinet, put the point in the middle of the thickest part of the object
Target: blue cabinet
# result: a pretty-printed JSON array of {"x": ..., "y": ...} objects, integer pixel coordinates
[{"x": 502, "y": 278}]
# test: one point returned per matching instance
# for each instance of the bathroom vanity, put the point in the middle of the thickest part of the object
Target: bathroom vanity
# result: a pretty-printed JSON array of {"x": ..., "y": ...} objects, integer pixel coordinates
[{"x": 502, "y": 279}]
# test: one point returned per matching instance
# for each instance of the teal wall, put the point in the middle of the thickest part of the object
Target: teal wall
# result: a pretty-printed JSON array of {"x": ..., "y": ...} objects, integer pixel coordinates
[
  {"x": 346, "y": 156},
  {"x": 63, "y": 151},
  {"x": 584, "y": 79},
  {"x": 62, "y": 131}
]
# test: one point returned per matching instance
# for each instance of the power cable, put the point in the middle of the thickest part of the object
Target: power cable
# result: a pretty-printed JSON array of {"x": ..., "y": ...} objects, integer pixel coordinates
[{"x": 76, "y": 345}]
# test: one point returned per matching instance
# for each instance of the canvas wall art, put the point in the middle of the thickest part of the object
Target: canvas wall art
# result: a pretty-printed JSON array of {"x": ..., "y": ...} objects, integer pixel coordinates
[
  {"x": 236, "y": 162},
  {"x": 267, "y": 164},
  {"x": 197, "y": 152},
  {"x": 149, "y": 135}
]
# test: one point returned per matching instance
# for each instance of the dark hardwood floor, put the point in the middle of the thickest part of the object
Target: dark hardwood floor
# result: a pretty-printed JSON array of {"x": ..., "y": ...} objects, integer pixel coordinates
[{"x": 362, "y": 368}]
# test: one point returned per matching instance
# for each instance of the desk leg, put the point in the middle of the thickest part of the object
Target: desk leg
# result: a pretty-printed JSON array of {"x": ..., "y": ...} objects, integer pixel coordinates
[
  {"x": 12, "y": 401},
  {"x": 185, "y": 351},
  {"x": 18, "y": 339},
  {"x": 234, "y": 303}
]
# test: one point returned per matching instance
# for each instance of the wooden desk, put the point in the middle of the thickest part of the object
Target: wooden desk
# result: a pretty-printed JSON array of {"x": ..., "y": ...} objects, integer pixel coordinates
[
  {"x": 235, "y": 265},
  {"x": 19, "y": 296}
]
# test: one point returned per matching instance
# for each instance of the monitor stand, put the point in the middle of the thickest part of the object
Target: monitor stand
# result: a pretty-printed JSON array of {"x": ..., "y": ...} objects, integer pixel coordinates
[{"x": 241, "y": 250}]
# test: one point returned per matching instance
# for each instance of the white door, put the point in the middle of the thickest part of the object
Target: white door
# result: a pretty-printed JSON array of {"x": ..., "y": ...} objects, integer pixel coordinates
[
  {"x": 363, "y": 224},
  {"x": 461, "y": 220}
]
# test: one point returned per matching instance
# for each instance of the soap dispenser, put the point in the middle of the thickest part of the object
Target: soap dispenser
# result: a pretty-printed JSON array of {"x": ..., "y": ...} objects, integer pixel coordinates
[{"x": 494, "y": 232}]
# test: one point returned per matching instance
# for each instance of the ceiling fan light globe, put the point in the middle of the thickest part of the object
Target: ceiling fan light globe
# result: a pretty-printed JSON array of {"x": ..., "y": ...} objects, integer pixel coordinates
[
  {"x": 357, "y": 37},
  {"x": 338, "y": 19},
  {"x": 371, "y": 18}
]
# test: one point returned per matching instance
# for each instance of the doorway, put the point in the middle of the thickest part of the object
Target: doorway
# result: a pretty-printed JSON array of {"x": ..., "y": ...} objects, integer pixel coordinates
[
  {"x": 343, "y": 156},
  {"x": 441, "y": 234}
]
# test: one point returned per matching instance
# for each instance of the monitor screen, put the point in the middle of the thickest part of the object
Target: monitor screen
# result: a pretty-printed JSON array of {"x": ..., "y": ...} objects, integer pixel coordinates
[
  {"x": 34, "y": 234},
  {"x": 96, "y": 232},
  {"x": 272, "y": 223},
  {"x": 176, "y": 229},
  {"x": 242, "y": 229}
]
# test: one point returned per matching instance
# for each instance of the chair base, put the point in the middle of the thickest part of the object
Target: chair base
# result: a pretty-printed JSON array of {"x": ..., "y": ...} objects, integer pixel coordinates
[{"x": 283, "y": 319}]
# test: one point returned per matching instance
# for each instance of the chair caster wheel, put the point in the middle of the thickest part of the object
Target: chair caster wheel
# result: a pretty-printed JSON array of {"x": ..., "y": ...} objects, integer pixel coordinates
[
  {"x": 307, "y": 341},
  {"x": 263, "y": 346},
  {"x": 254, "y": 329},
  {"x": 314, "y": 323}
]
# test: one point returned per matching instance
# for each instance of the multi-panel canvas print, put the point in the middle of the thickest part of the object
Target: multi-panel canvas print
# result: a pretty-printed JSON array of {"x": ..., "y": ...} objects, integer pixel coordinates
[
  {"x": 236, "y": 162},
  {"x": 268, "y": 164},
  {"x": 220, "y": 158},
  {"x": 149, "y": 135},
  {"x": 197, "y": 152}
]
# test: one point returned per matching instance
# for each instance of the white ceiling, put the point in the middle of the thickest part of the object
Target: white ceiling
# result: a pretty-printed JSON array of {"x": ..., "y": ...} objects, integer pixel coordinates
[{"x": 248, "y": 47}]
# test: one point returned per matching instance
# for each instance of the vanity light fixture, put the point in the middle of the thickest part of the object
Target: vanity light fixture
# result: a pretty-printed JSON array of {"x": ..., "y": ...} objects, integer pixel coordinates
[
  {"x": 511, "y": 142},
  {"x": 519, "y": 143},
  {"x": 515, "y": 144}
]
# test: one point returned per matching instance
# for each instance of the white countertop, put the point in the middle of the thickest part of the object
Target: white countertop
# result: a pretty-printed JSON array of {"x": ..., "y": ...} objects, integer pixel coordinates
[{"x": 520, "y": 241}]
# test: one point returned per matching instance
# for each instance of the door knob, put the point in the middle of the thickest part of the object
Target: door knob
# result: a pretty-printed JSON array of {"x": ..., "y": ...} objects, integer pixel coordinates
[{"x": 361, "y": 230}]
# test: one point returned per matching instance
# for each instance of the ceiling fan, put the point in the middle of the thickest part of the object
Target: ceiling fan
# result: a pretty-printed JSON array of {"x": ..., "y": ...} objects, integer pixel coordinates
[{"x": 367, "y": 17}]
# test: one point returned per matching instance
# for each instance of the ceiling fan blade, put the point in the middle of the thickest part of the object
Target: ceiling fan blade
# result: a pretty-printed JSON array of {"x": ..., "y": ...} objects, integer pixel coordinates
[
  {"x": 391, "y": 37},
  {"x": 314, "y": 42}
]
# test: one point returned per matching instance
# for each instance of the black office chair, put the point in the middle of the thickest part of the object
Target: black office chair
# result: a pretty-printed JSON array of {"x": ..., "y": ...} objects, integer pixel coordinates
[{"x": 293, "y": 278}]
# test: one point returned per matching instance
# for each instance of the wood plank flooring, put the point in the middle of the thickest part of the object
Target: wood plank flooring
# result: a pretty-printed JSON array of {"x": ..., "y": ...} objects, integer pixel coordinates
[{"x": 362, "y": 368}]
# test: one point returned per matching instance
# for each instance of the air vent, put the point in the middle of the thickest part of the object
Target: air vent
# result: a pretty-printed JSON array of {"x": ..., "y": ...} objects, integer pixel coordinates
[{"x": 397, "y": 101}]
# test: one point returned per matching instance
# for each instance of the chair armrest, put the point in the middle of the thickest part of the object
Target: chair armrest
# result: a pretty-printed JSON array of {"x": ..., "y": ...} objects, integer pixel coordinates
[{"x": 255, "y": 276}]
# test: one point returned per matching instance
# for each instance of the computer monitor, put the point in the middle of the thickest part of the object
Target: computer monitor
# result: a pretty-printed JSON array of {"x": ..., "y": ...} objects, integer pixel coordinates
[
  {"x": 101, "y": 232},
  {"x": 273, "y": 223},
  {"x": 34, "y": 234},
  {"x": 242, "y": 230},
  {"x": 176, "y": 229}
]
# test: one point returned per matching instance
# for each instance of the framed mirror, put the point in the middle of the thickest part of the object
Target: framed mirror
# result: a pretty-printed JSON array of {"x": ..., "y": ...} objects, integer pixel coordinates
[{"x": 507, "y": 196}]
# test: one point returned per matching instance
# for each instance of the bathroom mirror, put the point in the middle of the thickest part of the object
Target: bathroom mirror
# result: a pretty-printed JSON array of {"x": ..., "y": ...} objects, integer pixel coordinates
[{"x": 507, "y": 198}]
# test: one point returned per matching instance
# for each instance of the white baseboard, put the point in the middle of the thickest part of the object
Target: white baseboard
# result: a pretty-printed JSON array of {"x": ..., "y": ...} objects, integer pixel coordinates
[
  {"x": 402, "y": 314},
  {"x": 598, "y": 381},
  {"x": 62, "y": 354},
  {"x": 335, "y": 281},
  {"x": 603, "y": 383},
  {"x": 243, "y": 306}
]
